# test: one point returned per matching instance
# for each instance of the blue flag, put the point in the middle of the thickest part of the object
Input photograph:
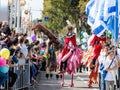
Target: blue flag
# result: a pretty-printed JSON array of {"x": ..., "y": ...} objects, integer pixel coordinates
[{"x": 102, "y": 15}]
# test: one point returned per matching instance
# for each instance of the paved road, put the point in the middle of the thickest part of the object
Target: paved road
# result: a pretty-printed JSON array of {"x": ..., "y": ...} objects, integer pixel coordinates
[{"x": 80, "y": 83}]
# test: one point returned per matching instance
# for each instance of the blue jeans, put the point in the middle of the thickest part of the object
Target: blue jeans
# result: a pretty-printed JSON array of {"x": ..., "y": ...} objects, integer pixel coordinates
[
  {"x": 102, "y": 83},
  {"x": 34, "y": 70},
  {"x": 3, "y": 77}
]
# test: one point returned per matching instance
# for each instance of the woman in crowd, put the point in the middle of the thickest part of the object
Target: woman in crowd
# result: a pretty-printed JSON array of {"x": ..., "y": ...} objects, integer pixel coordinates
[
  {"x": 102, "y": 59},
  {"x": 110, "y": 65}
]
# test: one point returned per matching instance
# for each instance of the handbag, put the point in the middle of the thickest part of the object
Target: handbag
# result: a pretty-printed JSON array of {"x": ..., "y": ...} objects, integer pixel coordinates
[
  {"x": 101, "y": 66},
  {"x": 104, "y": 74}
]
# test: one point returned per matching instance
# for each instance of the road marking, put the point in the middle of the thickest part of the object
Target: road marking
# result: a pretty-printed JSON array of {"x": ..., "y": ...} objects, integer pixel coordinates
[
  {"x": 85, "y": 81},
  {"x": 82, "y": 79}
]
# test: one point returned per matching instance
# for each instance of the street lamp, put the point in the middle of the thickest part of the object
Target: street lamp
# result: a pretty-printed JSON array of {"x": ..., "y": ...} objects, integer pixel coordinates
[
  {"x": 22, "y": 3},
  {"x": 10, "y": 2},
  {"x": 19, "y": 4},
  {"x": 26, "y": 12},
  {"x": 28, "y": 20}
]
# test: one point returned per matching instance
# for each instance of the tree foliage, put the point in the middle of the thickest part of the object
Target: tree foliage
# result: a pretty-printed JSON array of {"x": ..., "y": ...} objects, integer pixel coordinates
[
  {"x": 59, "y": 11},
  {"x": 82, "y": 5}
]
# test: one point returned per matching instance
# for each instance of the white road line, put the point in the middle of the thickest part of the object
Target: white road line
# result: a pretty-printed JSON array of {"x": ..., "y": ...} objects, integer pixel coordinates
[{"x": 85, "y": 81}]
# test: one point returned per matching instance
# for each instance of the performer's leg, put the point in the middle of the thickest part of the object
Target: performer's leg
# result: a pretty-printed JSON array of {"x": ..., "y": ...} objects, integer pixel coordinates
[
  {"x": 92, "y": 66},
  {"x": 65, "y": 65},
  {"x": 80, "y": 69},
  {"x": 51, "y": 75},
  {"x": 72, "y": 84},
  {"x": 57, "y": 76},
  {"x": 96, "y": 73},
  {"x": 62, "y": 79},
  {"x": 90, "y": 79},
  {"x": 96, "y": 77},
  {"x": 47, "y": 72},
  {"x": 61, "y": 66}
]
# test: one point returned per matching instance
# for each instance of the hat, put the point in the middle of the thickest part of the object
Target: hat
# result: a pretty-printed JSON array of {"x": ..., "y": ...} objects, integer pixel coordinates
[
  {"x": 69, "y": 25},
  {"x": 68, "y": 22}
]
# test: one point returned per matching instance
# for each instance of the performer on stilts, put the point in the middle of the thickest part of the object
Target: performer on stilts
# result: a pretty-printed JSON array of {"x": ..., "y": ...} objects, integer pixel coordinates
[
  {"x": 69, "y": 58},
  {"x": 51, "y": 59},
  {"x": 93, "y": 63}
]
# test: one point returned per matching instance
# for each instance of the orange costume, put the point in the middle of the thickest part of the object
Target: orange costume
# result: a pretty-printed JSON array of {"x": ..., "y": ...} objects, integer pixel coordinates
[{"x": 92, "y": 56}]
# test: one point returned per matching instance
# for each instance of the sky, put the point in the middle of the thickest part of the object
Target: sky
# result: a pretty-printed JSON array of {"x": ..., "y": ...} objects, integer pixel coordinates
[
  {"x": 3, "y": 10},
  {"x": 36, "y": 8}
]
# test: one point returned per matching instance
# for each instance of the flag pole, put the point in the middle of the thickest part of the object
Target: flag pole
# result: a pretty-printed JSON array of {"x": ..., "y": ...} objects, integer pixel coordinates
[
  {"x": 117, "y": 31},
  {"x": 116, "y": 23}
]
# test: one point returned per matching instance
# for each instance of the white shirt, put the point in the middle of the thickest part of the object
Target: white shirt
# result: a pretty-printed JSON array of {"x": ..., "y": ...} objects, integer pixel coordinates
[
  {"x": 110, "y": 74},
  {"x": 24, "y": 49},
  {"x": 101, "y": 59}
]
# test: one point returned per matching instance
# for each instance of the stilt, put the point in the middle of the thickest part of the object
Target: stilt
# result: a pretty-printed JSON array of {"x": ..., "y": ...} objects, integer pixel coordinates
[
  {"x": 62, "y": 84},
  {"x": 72, "y": 84},
  {"x": 90, "y": 82}
]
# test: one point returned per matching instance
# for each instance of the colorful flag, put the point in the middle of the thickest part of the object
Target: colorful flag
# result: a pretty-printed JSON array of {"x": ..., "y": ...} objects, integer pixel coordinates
[{"x": 102, "y": 15}]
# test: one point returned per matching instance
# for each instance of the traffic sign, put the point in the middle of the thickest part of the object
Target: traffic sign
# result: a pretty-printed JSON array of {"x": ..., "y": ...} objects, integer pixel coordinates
[{"x": 46, "y": 19}]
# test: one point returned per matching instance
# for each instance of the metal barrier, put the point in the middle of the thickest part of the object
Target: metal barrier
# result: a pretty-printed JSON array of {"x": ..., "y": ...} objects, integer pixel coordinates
[{"x": 23, "y": 78}]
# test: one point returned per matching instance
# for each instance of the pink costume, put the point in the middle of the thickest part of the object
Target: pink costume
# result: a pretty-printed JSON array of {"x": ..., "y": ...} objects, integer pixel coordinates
[{"x": 71, "y": 53}]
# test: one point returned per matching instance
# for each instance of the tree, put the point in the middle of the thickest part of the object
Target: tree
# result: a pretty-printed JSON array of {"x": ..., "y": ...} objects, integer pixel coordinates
[
  {"x": 83, "y": 17},
  {"x": 82, "y": 5},
  {"x": 74, "y": 3},
  {"x": 58, "y": 12}
]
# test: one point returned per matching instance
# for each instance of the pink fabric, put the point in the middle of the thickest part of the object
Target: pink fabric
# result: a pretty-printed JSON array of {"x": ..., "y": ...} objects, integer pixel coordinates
[
  {"x": 73, "y": 60},
  {"x": 66, "y": 56}
]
